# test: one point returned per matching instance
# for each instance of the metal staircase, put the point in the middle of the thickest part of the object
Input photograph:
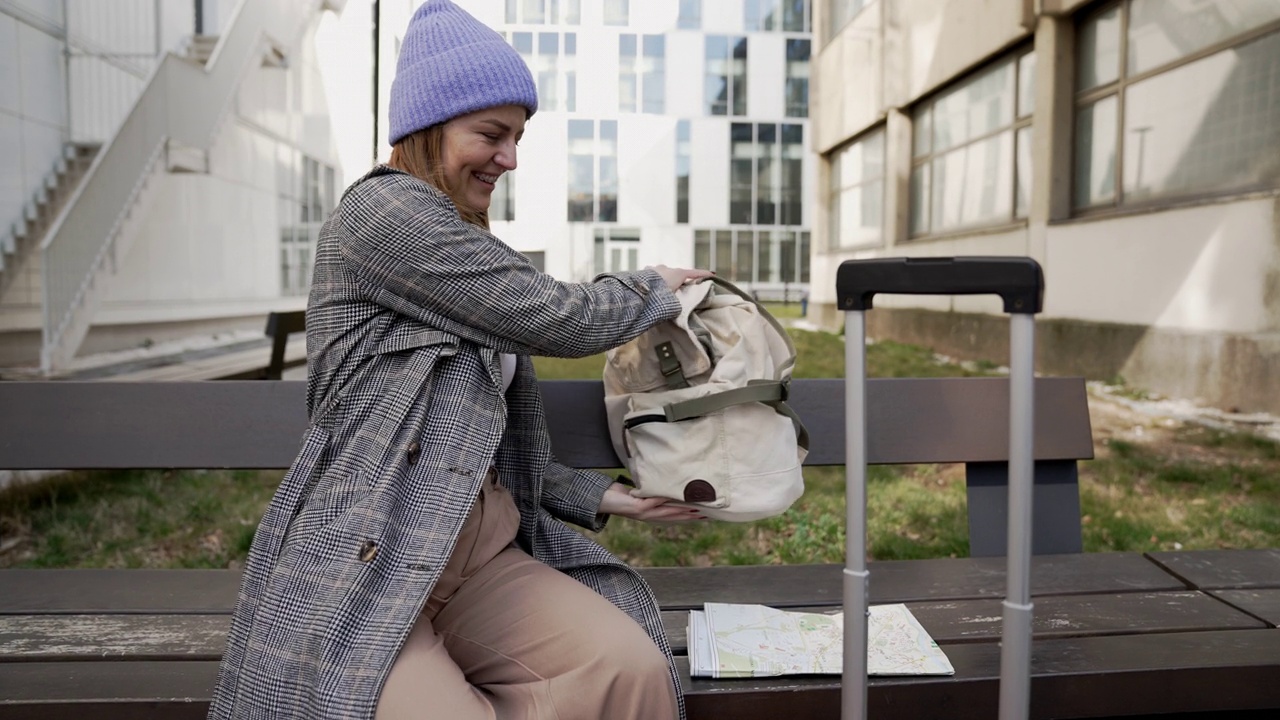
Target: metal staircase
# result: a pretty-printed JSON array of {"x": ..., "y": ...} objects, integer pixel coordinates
[
  {"x": 20, "y": 240},
  {"x": 180, "y": 110}
]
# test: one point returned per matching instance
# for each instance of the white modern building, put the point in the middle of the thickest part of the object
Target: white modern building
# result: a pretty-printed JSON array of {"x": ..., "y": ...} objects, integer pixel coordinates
[
  {"x": 668, "y": 131},
  {"x": 164, "y": 169},
  {"x": 1132, "y": 147}
]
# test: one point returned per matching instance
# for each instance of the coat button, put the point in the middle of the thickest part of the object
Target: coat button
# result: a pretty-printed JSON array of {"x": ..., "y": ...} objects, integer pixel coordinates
[
  {"x": 415, "y": 449},
  {"x": 368, "y": 551}
]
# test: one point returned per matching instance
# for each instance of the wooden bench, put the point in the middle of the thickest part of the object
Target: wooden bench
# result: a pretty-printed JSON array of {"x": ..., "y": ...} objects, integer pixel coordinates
[{"x": 1117, "y": 635}]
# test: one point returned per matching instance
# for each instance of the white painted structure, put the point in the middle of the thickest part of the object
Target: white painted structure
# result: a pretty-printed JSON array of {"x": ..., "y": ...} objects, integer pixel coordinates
[
  {"x": 212, "y": 163},
  {"x": 1132, "y": 147},
  {"x": 648, "y": 146}
]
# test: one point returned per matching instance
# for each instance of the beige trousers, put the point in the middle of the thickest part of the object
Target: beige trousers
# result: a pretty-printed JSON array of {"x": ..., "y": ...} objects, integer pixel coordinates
[{"x": 504, "y": 636}]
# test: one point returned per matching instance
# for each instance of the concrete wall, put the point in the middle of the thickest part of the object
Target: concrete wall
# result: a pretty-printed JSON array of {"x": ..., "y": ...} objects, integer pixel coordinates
[{"x": 1181, "y": 297}]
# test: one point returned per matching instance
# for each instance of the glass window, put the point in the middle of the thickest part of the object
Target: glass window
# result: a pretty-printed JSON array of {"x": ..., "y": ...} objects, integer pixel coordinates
[
  {"x": 744, "y": 257},
  {"x": 682, "y": 172},
  {"x": 1145, "y": 136},
  {"x": 535, "y": 11},
  {"x": 502, "y": 204},
  {"x": 726, "y": 75},
  {"x": 608, "y": 148},
  {"x": 617, "y": 12},
  {"x": 627, "y": 73},
  {"x": 540, "y": 12},
  {"x": 1099, "y": 56},
  {"x": 965, "y": 171},
  {"x": 702, "y": 249},
  {"x": 775, "y": 15},
  {"x": 616, "y": 250},
  {"x": 766, "y": 173},
  {"x": 723, "y": 257},
  {"x": 554, "y": 69},
  {"x": 582, "y": 184},
  {"x": 1161, "y": 32},
  {"x": 742, "y": 151},
  {"x": 654, "y": 73},
  {"x": 690, "y": 15},
  {"x": 857, "y": 192},
  {"x": 797, "y": 87},
  {"x": 305, "y": 197}
]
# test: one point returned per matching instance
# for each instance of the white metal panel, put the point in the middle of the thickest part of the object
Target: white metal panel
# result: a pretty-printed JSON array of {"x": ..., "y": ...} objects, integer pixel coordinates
[
  {"x": 766, "y": 75},
  {"x": 41, "y": 147},
  {"x": 646, "y": 171},
  {"x": 10, "y": 68},
  {"x": 43, "y": 87},
  {"x": 686, "y": 66},
  {"x": 709, "y": 178},
  {"x": 13, "y": 189}
]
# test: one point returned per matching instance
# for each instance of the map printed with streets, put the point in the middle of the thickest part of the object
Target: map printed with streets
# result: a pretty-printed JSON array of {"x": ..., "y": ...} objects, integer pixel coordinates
[{"x": 733, "y": 640}]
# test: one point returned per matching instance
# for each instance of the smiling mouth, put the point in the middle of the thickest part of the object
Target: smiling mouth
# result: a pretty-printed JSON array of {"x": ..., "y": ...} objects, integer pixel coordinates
[{"x": 489, "y": 179}]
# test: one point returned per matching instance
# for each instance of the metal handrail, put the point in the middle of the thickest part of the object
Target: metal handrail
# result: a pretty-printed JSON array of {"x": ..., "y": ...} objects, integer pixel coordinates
[{"x": 181, "y": 101}]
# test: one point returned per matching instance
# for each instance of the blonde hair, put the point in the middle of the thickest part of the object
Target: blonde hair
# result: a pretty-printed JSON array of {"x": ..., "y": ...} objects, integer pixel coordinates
[{"x": 421, "y": 154}]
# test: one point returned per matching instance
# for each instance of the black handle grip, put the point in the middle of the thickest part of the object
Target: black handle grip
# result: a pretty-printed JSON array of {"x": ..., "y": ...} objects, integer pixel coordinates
[{"x": 1018, "y": 280}]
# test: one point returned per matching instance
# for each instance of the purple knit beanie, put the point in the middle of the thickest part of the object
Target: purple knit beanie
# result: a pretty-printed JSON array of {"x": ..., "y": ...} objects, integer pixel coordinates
[{"x": 452, "y": 64}]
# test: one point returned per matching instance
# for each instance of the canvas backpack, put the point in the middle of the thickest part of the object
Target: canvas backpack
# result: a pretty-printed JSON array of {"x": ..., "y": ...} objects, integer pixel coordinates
[{"x": 697, "y": 407}]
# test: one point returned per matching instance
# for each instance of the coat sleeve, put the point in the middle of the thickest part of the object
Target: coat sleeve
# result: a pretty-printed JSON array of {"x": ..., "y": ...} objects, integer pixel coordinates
[
  {"x": 574, "y": 495},
  {"x": 411, "y": 253}
]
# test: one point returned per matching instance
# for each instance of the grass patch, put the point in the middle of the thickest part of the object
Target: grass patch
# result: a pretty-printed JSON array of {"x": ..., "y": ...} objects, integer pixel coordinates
[
  {"x": 134, "y": 518},
  {"x": 1208, "y": 489}
]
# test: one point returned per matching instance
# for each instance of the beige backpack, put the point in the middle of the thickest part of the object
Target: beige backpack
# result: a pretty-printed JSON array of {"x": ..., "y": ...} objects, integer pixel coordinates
[{"x": 697, "y": 407}]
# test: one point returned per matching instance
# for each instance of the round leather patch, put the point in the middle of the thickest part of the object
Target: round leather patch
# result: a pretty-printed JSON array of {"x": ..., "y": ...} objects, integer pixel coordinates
[{"x": 699, "y": 491}]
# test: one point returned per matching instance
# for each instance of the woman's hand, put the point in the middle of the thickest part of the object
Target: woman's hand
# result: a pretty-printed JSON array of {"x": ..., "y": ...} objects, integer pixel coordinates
[
  {"x": 675, "y": 277},
  {"x": 618, "y": 500}
]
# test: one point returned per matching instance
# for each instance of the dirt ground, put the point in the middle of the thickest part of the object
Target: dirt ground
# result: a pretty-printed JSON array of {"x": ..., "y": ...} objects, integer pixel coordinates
[{"x": 1158, "y": 423}]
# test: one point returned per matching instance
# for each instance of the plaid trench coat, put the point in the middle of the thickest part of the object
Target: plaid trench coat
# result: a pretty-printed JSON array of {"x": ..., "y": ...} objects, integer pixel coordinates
[{"x": 408, "y": 310}]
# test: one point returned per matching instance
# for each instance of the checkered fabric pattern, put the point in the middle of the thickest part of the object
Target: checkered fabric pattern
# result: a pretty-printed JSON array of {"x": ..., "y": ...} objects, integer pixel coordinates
[{"x": 409, "y": 308}]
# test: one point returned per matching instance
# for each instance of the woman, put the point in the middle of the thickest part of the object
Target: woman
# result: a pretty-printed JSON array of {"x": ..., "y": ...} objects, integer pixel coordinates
[{"x": 414, "y": 562}]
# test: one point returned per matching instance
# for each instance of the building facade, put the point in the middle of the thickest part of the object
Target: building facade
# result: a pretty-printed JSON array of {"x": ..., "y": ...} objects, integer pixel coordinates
[
  {"x": 167, "y": 167},
  {"x": 1132, "y": 147},
  {"x": 668, "y": 132}
]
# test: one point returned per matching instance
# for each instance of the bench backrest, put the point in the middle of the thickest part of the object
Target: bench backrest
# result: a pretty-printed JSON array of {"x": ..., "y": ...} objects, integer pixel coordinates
[{"x": 255, "y": 424}]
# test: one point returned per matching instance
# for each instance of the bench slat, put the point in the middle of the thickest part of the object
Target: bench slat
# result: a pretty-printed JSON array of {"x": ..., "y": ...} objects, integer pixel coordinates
[
  {"x": 1223, "y": 569},
  {"x": 255, "y": 424},
  {"x": 97, "y": 591},
  {"x": 960, "y": 621},
  {"x": 904, "y": 580},
  {"x": 25, "y": 638},
  {"x": 1260, "y": 603},
  {"x": 1077, "y": 677}
]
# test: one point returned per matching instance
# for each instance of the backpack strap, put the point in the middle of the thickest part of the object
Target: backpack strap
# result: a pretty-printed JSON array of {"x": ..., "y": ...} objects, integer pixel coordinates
[
  {"x": 670, "y": 366},
  {"x": 769, "y": 392}
]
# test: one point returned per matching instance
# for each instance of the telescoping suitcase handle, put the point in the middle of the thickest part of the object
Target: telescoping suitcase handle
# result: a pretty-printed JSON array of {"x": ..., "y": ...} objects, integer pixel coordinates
[
  {"x": 1020, "y": 283},
  {"x": 1017, "y": 280}
]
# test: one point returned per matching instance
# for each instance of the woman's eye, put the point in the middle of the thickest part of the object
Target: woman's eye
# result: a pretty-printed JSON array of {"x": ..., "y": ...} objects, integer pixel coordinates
[{"x": 491, "y": 136}]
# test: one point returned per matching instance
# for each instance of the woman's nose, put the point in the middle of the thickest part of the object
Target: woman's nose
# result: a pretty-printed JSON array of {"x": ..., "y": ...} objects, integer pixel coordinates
[{"x": 506, "y": 157}]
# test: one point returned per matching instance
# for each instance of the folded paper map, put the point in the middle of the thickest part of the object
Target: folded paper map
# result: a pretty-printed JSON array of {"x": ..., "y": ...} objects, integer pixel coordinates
[{"x": 733, "y": 641}]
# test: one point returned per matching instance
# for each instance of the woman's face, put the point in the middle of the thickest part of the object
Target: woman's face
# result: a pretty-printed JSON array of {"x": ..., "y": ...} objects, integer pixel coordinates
[{"x": 478, "y": 148}]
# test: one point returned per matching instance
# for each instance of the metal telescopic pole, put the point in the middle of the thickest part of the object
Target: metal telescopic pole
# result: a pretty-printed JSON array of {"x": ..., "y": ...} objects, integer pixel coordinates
[
  {"x": 1015, "y": 651},
  {"x": 854, "y": 678}
]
